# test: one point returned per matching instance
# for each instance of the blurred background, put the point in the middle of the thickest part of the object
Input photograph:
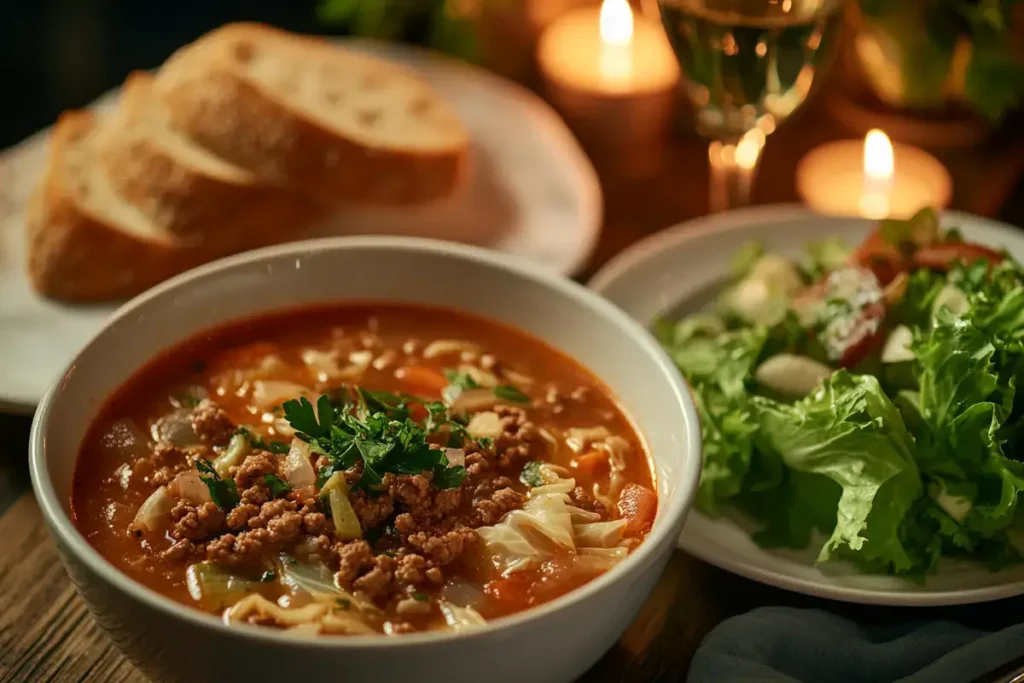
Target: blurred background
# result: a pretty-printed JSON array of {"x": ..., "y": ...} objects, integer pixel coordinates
[{"x": 943, "y": 76}]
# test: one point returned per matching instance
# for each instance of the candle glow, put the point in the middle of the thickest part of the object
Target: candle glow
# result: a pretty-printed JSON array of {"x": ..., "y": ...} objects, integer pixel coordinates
[
  {"x": 615, "y": 26},
  {"x": 879, "y": 170}
]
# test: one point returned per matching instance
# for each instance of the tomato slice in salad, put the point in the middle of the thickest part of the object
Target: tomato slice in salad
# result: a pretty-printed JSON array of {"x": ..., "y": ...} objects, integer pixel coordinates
[
  {"x": 880, "y": 257},
  {"x": 852, "y": 312},
  {"x": 944, "y": 255}
]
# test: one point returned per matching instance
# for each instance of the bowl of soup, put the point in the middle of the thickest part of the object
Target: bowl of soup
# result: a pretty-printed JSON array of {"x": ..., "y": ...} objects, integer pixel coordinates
[{"x": 366, "y": 459}]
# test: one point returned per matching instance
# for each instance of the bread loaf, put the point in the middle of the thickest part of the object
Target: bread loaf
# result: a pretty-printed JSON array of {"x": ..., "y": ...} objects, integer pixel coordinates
[
  {"x": 195, "y": 195},
  {"x": 299, "y": 111}
]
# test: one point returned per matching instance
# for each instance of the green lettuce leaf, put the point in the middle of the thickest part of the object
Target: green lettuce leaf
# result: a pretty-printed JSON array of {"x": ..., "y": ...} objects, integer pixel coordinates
[
  {"x": 718, "y": 365},
  {"x": 850, "y": 432}
]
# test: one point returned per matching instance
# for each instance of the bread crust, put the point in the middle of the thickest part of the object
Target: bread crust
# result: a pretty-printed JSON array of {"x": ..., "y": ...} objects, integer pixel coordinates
[
  {"x": 230, "y": 209},
  {"x": 211, "y": 98},
  {"x": 76, "y": 255}
]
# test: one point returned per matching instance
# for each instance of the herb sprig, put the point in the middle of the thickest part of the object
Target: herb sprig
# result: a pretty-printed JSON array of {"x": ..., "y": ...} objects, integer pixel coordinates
[
  {"x": 376, "y": 428},
  {"x": 223, "y": 492}
]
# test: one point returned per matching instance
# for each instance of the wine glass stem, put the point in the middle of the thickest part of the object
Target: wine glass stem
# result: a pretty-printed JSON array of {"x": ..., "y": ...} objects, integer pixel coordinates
[{"x": 733, "y": 167}]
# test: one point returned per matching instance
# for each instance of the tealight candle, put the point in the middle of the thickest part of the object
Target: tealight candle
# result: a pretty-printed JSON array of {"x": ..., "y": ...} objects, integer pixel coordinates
[
  {"x": 872, "y": 178},
  {"x": 612, "y": 75}
]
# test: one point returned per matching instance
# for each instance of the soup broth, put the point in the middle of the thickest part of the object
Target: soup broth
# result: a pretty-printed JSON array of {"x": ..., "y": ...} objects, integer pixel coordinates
[{"x": 363, "y": 469}]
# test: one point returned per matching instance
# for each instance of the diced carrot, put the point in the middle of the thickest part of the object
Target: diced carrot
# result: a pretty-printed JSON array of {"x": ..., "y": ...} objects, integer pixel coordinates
[
  {"x": 422, "y": 379},
  {"x": 592, "y": 464},
  {"x": 638, "y": 506}
]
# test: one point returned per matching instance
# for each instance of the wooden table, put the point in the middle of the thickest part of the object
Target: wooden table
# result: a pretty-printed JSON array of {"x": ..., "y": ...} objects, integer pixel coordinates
[{"x": 47, "y": 634}]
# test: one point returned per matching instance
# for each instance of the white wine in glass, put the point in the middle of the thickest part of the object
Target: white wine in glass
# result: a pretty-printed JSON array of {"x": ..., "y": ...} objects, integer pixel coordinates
[{"x": 748, "y": 65}]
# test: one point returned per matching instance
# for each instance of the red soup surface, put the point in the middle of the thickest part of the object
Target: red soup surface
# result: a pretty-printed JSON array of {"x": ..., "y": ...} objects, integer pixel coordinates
[{"x": 363, "y": 469}]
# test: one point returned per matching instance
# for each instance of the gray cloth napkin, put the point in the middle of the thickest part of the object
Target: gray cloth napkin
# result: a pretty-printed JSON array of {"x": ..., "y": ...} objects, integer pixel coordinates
[{"x": 790, "y": 645}]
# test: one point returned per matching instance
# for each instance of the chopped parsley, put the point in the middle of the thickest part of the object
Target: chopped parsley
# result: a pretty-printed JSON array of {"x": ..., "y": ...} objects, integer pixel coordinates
[
  {"x": 531, "y": 475},
  {"x": 278, "y": 487},
  {"x": 258, "y": 442},
  {"x": 507, "y": 392},
  {"x": 268, "y": 576},
  {"x": 376, "y": 429},
  {"x": 224, "y": 492},
  {"x": 457, "y": 383},
  {"x": 422, "y": 597}
]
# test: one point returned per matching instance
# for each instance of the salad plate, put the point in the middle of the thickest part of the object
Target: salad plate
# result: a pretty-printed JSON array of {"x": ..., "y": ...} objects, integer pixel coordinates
[{"x": 685, "y": 270}]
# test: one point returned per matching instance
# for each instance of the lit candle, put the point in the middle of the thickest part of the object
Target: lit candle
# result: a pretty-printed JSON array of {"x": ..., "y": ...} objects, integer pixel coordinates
[
  {"x": 612, "y": 75},
  {"x": 872, "y": 178}
]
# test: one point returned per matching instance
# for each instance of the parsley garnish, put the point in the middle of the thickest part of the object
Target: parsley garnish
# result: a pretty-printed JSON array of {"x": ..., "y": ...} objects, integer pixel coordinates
[
  {"x": 278, "y": 487},
  {"x": 457, "y": 383},
  {"x": 531, "y": 475},
  {"x": 507, "y": 392},
  {"x": 258, "y": 442},
  {"x": 422, "y": 597},
  {"x": 268, "y": 576},
  {"x": 224, "y": 492},
  {"x": 375, "y": 428}
]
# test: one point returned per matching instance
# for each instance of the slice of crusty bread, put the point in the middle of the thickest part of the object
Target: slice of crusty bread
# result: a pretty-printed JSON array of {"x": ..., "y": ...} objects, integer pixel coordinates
[
  {"x": 85, "y": 242},
  {"x": 183, "y": 188},
  {"x": 297, "y": 110}
]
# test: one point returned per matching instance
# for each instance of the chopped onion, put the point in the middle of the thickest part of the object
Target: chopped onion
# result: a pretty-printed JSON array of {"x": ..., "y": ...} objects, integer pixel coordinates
[
  {"x": 581, "y": 516},
  {"x": 460, "y": 591},
  {"x": 175, "y": 429},
  {"x": 481, "y": 377},
  {"x": 443, "y": 347},
  {"x": 486, "y": 425},
  {"x": 516, "y": 377},
  {"x": 214, "y": 586},
  {"x": 191, "y": 488},
  {"x": 154, "y": 509},
  {"x": 297, "y": 468},
  {"x": 456, "y": 457},
  {"x": 580, "y": 438},
  {"x": 473, "y": 400},
  {"x": 272, "y": 392},
  {"x": 346, "y": 522},
  {"x": 232, "y": 456}
]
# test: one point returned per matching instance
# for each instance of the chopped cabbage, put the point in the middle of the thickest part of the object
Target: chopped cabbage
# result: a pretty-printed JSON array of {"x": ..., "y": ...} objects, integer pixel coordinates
[
  {"x": 460, "y": 618},
  {"x": 346, "y": 523},
  {"x": 486, "y": 425},
  {"x": 443, "y": 347},
  {"x": 191, "y": 488},
  {"x": 273, "y": 392},
  {"x": 214, "y": 586},
  {"x": 599, "y": 534}
]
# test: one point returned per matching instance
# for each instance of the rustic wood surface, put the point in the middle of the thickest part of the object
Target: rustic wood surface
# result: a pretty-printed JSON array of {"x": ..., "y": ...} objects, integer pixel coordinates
[{"x": 47, "y": 634}]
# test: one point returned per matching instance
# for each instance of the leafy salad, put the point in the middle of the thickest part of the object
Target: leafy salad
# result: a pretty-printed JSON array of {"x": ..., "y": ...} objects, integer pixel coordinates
[{"x": 866, "y": 396}]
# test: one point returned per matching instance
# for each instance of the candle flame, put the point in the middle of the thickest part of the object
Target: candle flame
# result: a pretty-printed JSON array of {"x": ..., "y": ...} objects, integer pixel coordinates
[
  {"x": 616, "y": 22},
  {"x": 879, "y": 165},
  {"x": 878, "y": 155}
]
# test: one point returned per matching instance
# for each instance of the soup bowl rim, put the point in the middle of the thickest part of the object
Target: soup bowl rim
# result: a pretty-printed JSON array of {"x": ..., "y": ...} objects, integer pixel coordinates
[{"x": 670, "y": 516}]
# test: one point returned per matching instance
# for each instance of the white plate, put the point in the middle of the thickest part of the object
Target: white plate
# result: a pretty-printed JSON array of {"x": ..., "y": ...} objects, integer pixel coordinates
[
  {"x": 532, "y": 192},
  {"x": 680, "y": 270}
]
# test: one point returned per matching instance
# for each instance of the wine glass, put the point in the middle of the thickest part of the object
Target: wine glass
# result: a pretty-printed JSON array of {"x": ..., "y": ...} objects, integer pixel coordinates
[{"x": 747, "y": 65}]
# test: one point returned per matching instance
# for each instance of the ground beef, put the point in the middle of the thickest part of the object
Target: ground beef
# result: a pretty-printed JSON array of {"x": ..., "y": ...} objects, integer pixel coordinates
[
  {"x": 518, "y": 434},
  {"x": 276, "y": 526},
  {"x": 314, "y": 522},
  {"x": 164, "y": 463},
  {"x": 372, "y": 511},
  {"x": 411, "y": 570},
  {"x": 182, "y": 550},
  {"x": 445, "y": 548},
  {"x": 211, "y": 423},
  {"x": 583, "y": 499},
  {"x": 419, "y": 498},
  {"x": 487, "y": 486},
  {"x": 194, "y": 522},
  {"x": 353, "y": 558},
  {"x": 252, "y": 499},
  {"x": 254, "y": 468},
  {"x": 489, "y": 511},
  {"x": 377, "y": 583}
]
